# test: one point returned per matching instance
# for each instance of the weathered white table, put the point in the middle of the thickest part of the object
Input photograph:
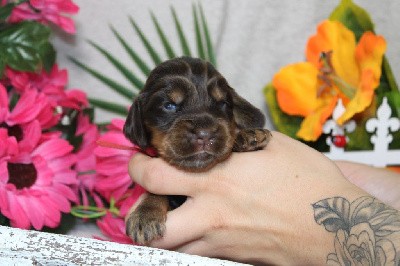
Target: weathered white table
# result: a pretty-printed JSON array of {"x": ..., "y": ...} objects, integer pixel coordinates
[{"x": 24, "y": 247}]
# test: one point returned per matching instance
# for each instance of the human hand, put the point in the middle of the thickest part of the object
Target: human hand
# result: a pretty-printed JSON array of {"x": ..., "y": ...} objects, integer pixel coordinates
[
  {"x": 254, "y": 207},
  {"x": 379, "y": 182}
]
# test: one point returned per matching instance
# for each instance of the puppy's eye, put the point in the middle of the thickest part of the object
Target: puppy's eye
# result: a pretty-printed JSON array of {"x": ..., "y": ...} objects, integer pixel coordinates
[
  {"x": 222, "y": 104},
  {"x": 170, "y": 107}
]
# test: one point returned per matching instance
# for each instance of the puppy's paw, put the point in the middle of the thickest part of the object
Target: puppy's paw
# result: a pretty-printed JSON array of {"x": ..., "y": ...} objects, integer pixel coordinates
[
  {"x": 147, "y": 222},
  {"x": 251, "y": 139},
  {"x": 145, "y": 225}
]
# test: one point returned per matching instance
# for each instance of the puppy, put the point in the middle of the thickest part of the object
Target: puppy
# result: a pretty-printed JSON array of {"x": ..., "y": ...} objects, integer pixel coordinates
[{"x": 191, "y": 116}]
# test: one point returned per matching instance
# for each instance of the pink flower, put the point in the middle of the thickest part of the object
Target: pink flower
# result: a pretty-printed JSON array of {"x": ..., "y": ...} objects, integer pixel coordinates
[
  {"x": 46, "y": 11},
  {"x": 30, "y": 106},
  {"x": 114, "y": 228},
  {"x": 129, "y": 199},
  {"x": 74, "y": 99},
  {"x": 86, "y": 159},
  {"x": 35, "y": 182},
  {"x": 51, "y": 84},
  {"x": 112, "y": 164}
]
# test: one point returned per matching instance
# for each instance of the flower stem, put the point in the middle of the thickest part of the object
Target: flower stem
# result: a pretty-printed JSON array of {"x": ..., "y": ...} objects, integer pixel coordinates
[{"x": 343, "y": 86}]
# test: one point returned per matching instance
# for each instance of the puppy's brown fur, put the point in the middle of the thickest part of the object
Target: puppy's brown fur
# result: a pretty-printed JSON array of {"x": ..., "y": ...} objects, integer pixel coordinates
[{"x": 188, "y": 112}]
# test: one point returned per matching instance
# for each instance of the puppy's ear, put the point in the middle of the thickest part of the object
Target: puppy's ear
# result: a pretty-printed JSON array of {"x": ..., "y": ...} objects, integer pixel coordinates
[
  {"x": 245, "y": 114},
  {"x": 134, "y": 128}
]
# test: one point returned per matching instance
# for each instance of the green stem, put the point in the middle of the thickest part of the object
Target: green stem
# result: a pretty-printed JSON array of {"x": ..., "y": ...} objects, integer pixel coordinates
[{"x": 343, "y": 86}]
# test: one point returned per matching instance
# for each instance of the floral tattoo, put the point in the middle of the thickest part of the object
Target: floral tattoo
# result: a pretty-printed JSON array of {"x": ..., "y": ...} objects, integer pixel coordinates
[{"x": 367, "y": 231}]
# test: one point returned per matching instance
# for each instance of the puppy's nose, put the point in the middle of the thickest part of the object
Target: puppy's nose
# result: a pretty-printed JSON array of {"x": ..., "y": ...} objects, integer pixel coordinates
[{"x": 204, "y": 138}]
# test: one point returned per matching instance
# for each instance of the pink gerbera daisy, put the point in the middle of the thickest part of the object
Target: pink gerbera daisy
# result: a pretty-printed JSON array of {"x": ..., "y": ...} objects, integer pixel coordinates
[
  {"x": 35, "y": 181},
  {"x": 86, "y": 159},
  {"x": 112, "y": 164},
  {"x": 51, "y": 84},
  {"x": 30, "y": 106},
  {"x": 46, "y": 11}
]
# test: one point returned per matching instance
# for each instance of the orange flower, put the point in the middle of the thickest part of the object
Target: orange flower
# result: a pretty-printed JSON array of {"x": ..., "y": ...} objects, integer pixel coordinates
[{"x": 336, "y": 67}]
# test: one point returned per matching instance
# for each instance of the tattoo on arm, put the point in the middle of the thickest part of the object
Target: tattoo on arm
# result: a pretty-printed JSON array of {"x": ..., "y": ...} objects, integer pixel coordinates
[{"x": 367, "y": 232}]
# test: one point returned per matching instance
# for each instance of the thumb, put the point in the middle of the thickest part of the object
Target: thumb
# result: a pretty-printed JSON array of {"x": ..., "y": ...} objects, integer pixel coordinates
[{"x": 158, "y": 177}]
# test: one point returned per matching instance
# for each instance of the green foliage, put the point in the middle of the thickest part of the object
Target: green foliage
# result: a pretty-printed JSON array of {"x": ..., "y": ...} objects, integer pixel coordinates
[
  {"x": 353, "y": 17},
  {"x": 5, "y": 11},
  {"x": 283, "y": 122},
  {"x": 203, "y": 44},
  {"x": 359, "y": 21},
  {"x": 4, "y": 221},
  {"x": 25, "y": 46}
]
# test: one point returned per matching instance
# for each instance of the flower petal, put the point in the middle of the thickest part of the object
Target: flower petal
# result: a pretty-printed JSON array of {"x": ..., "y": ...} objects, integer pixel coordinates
[
  {"x": 363, "y": 97},
  {"x": 16, "y": 214},
  {"x": 334, "y": 36},
  {"x": 369, "y": 54},
  {"x": 3, "y": 103},
  {"x": 296, "y": 88},
  {"x": 311, "y": 127}
]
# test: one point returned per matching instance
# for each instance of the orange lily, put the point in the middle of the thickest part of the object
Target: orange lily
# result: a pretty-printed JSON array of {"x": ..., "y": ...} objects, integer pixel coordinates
[{"x": 336, "y": 67}]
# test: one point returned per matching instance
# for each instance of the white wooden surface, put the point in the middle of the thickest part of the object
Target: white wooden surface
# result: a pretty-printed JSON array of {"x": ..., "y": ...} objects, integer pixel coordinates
[{"x": 24, "y": 247}]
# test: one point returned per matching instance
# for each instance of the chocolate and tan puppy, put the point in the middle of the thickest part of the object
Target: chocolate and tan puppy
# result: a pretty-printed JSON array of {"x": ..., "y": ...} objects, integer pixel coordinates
[{"x": 191, "y": 116}]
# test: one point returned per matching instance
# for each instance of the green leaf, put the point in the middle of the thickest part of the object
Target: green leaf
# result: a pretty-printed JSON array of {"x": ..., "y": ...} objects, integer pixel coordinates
[
  {"x": 67, "y": 223},
  {"x": 109, "y": 106},
  {"x": 133, "y": 55},
  {"x": 117, "y": 87},
  {"x": 120, "y": 67},
  {"x": 4, "y": 220},
  {"x": 181, "y": 34},
  {"x": 2, "y": 65},
  {"x": 153, "y": 54},
  {"x": 387, "y": 74},
  {"x": 283, "y": 122},
  {"x": 25, "y": 46},
  {"x": 199, "y": 38},
  {"x": 210, "y": 49},
  {"x": 48, "y": 55},
  {"x": 353, "y": 17},
  {"x": 167, "y": 46},
  {"x": 5, "y": 11}
]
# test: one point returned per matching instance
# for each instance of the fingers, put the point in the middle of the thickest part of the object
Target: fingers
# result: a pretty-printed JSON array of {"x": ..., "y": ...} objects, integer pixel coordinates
[
  {"x": 158, "y": 177},
  {"x": 184, "y": 225}
]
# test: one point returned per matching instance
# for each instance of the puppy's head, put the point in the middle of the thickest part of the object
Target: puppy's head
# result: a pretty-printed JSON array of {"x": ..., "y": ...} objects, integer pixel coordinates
[{"x": 188, "y": 112}]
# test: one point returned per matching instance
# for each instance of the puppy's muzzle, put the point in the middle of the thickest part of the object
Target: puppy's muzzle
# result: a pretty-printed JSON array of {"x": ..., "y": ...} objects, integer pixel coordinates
[{"x": 198, "y": 140}]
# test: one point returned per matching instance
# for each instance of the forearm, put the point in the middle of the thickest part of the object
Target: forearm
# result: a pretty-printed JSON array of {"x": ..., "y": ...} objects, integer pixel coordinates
[
  {"x": 350, "y": 227},
  {"x": 382, "y": 183}
]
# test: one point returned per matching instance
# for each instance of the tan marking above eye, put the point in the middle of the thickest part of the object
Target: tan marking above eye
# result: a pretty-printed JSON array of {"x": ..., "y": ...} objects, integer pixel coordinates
[
  {"x": 218, "y": 94},
  {"x": 176, "y": 96}
]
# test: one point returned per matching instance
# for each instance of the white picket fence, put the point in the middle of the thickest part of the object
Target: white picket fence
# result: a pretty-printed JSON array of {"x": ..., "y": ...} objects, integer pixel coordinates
[{"x": 382, "y": 126}]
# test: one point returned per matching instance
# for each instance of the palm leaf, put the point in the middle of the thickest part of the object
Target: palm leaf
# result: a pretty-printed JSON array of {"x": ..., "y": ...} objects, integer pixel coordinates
[
  {"x": 119, "y": 66},
  {"x": 199, "y": 37},
  {"x": 203, "y": 44},
  {"x": 133, "y": 55},
  {"x": 121, "y": 89},
  {"x": 181, "y": 34},
  {"x": 109, "y": 106},
  {"x": 210, "y": 49},
  {"x": 152, "y": 52},
  {"x": 167, "y": 46}
]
